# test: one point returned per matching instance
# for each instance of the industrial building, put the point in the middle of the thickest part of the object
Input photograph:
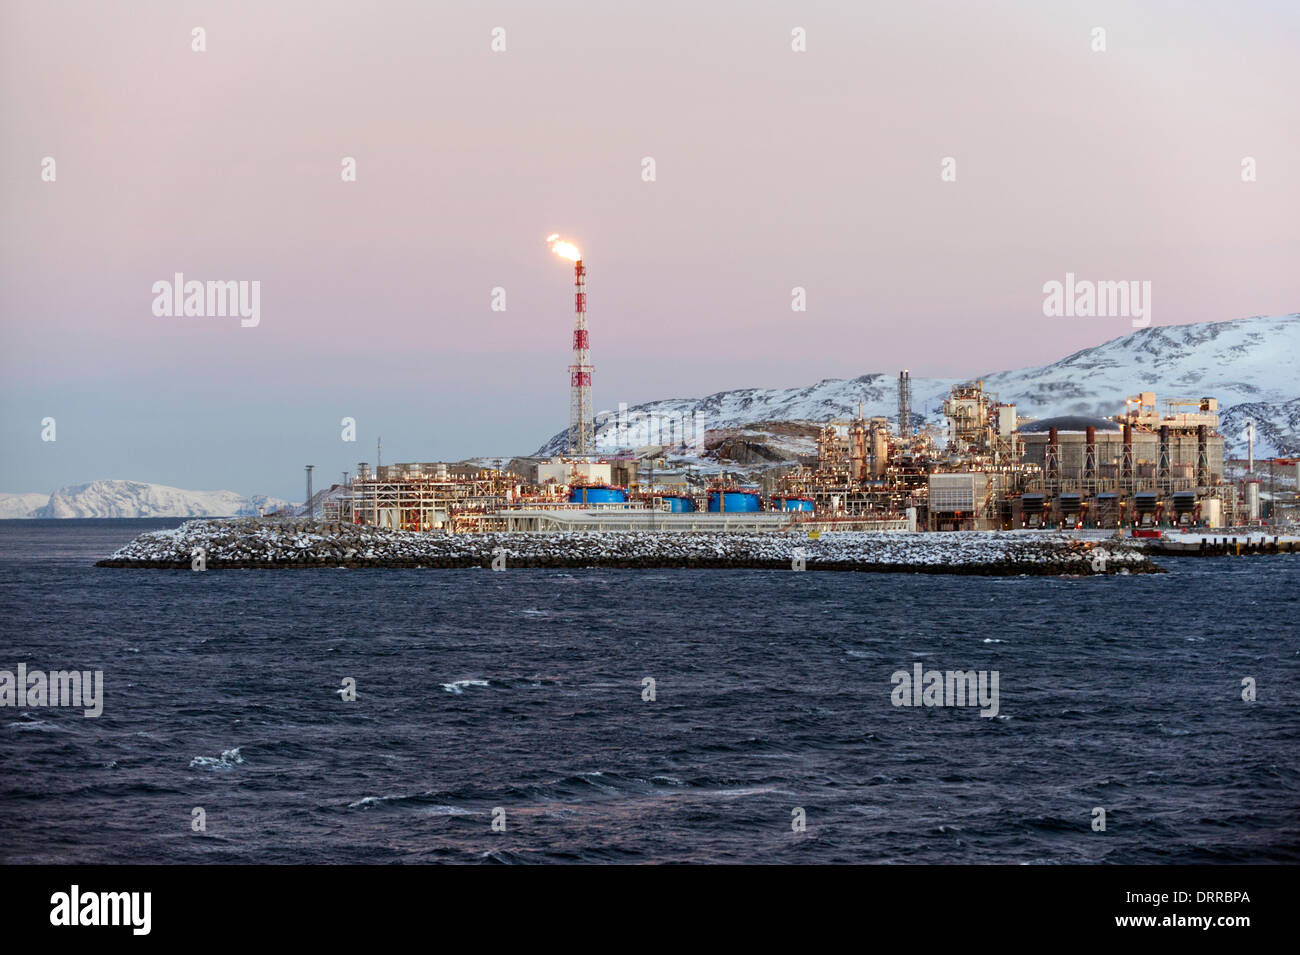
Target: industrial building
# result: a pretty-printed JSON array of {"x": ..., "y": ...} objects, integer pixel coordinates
[
  {"x": 993, "y": 469},
  {"x": 1136, "y": 468},
  {"x": 998, "y": 470}
]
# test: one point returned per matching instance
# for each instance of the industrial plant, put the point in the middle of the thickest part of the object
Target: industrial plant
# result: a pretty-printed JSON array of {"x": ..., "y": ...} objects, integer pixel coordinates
[{"x": 988, "y": 467}]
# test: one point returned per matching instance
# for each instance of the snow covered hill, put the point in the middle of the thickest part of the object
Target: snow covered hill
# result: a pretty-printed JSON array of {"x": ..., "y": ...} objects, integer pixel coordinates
[
  {"x": 1249, "y": 364},
  {"x": 133, "y": 499},
  {"x": 20, "y": 505}
]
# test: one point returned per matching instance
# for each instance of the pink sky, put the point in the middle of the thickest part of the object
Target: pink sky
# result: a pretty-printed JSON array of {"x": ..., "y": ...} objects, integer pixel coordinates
[{"x": 775, "y": 169}]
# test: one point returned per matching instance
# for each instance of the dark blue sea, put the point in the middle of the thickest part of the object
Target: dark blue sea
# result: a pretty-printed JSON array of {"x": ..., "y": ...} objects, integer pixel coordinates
[{"x": 522, "y": 692}]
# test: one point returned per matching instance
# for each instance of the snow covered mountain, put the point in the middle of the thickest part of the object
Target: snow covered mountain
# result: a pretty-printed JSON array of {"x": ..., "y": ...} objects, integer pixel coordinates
[
  {"x": 20, "y": 505},
  {"x": 133, "y": 499},
  {"x": 1249, "y": 364}
]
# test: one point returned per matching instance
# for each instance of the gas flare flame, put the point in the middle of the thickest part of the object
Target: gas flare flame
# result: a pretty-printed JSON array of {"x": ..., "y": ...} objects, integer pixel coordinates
[{"x": 565, "y": 250}]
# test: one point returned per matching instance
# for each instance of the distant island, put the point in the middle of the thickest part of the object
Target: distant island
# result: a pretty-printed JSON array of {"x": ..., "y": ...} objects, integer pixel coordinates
[{"x": 134, "y": 499}]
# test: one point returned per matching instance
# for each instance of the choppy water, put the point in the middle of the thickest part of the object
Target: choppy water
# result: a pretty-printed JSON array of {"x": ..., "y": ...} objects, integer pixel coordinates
[{"x": 523, "y": 690}]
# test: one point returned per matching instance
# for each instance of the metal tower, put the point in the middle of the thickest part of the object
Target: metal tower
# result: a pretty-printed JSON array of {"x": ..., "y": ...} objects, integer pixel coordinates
[
  {"x": 582, "y": 439},
  {"x": 904, "y": 402}
]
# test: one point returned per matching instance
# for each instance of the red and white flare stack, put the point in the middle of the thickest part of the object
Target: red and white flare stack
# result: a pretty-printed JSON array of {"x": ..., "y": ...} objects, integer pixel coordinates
[{"x": 582, "y": 438}]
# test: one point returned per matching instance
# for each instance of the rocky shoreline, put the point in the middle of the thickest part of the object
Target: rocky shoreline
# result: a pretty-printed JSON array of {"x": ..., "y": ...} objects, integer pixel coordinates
[{"x": 246, "y": 544}]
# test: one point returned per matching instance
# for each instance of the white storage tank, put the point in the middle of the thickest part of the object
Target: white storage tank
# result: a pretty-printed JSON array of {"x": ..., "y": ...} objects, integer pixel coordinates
[
  {"x": 1212, "y": 512},
  {"x": 1252, "y": 501}
]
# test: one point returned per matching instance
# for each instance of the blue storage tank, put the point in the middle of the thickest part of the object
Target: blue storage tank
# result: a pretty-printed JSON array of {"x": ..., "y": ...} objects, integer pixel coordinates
[
  {"x": 679, "y": 503},
  {"x": 782, "y": 503},
  {"x": 735, "y": 501},
  {"x": 597, "y": 494}
]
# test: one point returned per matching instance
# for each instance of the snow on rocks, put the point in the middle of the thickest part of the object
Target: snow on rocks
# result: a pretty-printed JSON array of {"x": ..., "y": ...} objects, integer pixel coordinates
[{"x": 250, "y": 543}]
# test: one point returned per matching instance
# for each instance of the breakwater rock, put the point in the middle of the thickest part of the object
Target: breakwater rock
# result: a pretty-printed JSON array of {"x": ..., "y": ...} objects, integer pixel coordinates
[{"x": 254, "y": 544}]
